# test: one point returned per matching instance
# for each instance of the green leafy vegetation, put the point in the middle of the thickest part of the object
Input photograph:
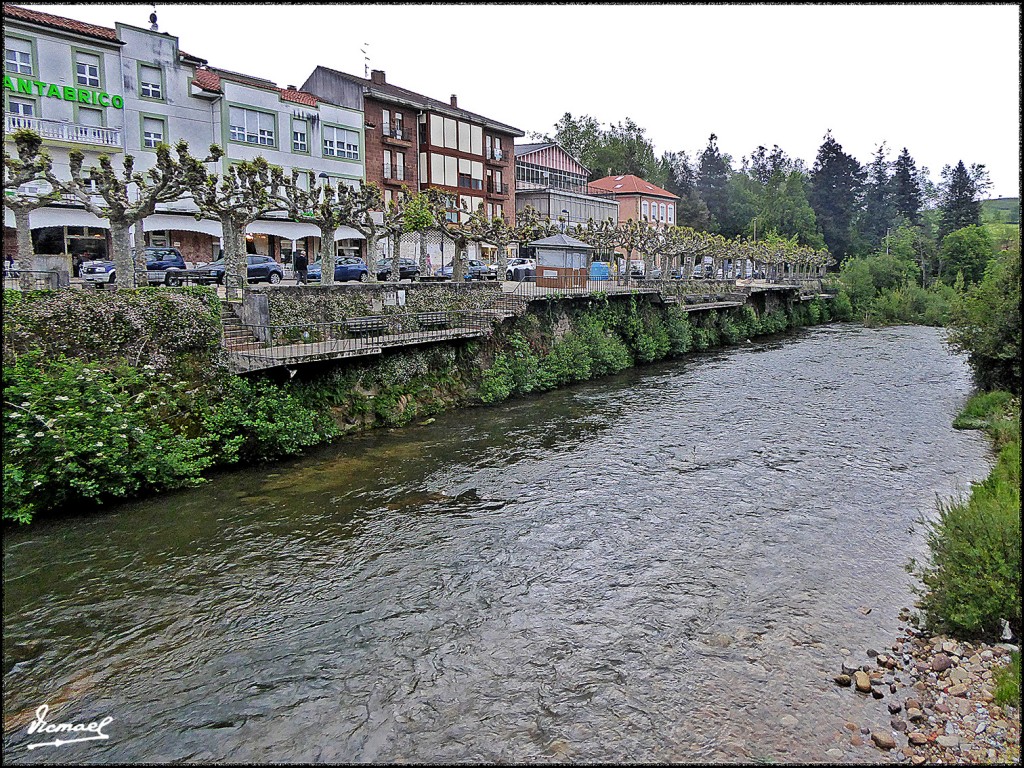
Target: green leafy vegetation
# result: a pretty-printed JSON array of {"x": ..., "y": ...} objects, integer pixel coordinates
[
  {"x": 1007, "y": 690},
  {"x": 973, "y": 580}
]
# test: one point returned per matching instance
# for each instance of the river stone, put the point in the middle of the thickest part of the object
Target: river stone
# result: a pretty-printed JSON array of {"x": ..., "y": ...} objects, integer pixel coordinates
[
  {"x": 788, "y": 721},
  {"x": 898, "y": 725},
  {"x": 877, "y": 693},
  {"x": 862, "y": 681},
  {"x": 834, "y": 753},
  {"x": 948, "y": 741},
  {"x": 918, "y": 759},
  {"x": 883, "y": 740},
  {"x": 872, "y": 653},
  {"x": 850, "y": 726},
  {"x": 941, "y": 662},
  {"x": 849, "y": 669},
  {"x": 959, "y": 675},
  {"x": 843, "y": 680},
  {"x": 895, "y": 706},
  {"x": 856, "y": 741},
  {"x": 958, "y": 690},
  {"x": 914, "y": 715},
  {"x": 917, "y": 738}
]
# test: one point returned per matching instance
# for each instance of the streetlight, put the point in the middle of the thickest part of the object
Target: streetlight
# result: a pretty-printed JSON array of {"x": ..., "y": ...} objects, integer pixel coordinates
[{"x": 565, "y": 220}]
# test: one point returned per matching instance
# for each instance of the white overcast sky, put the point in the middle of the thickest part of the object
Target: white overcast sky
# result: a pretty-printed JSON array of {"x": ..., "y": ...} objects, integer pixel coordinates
[{"x": 942, "y": 80}]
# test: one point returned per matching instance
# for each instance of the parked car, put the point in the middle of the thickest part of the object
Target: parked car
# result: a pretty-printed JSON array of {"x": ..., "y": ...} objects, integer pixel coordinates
[
  {"x": 346, "y": 268},
  {"x": 407, "y": 269},
  {"x": 519, "y": 269},
  {"x": 475, "y": 270},
  {"x": 161, "y": 264},
  {"x": 259, "y": 269}
]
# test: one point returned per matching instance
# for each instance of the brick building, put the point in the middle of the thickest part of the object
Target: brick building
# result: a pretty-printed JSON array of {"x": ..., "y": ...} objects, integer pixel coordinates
[{"x": 639, "y": 200}]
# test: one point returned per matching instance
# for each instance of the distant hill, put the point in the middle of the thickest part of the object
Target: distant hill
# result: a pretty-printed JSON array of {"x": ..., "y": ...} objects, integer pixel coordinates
[{"x": 1001, "y": 210}]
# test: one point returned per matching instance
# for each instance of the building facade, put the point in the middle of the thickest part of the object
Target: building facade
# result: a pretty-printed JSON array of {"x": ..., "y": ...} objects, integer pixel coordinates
[
  {"x": 639, "y": 200},
  {"x": 126, "y": 90},
  {"x": 555, "y": 184}
]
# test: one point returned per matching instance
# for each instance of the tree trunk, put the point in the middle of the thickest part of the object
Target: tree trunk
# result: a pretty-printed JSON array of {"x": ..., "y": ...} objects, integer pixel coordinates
[
  {"x": 648, "y": 264},
  {"x": 235, "y": 263},
  {"x": 371, "y": 257},
  {"x": 121, "y": 245},
  {"x": 26, "y": 253},
  {"x": 396, "y": 252},
  {"x": 141, "y": 273},
  {"x": 423, "y": 252},
  {"x": 328, "y": 253},
  {"x": 459, "y": 261}
]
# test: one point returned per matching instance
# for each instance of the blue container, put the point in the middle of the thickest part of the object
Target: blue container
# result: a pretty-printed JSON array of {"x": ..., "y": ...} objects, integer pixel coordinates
[{"x": 599, "y": 271}]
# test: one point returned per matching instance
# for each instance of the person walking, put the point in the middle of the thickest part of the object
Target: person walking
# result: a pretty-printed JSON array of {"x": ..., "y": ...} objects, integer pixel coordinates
[{"x": 301, "y": 266}]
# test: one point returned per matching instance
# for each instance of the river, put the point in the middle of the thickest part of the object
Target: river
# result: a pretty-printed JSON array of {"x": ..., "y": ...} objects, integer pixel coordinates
[{"x": 656, "y": 566}]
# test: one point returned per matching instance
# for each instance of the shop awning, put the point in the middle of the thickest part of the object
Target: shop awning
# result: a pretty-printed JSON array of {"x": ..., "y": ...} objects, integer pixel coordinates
[
  {"x": 158, "y": 222},
  {"x": 58, "y": 217},
  {"x": 290, "y": 230},
  {"x": 347, "y": 233}
]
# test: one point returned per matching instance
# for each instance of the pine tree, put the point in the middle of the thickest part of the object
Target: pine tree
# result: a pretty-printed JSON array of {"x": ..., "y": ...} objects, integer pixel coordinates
[
  {"x": 879, "y": 213},
  {"x": 713, "y": 182},
  {"x": 960, "y": 206},
  {"x": 835, "y": 196},
  {"x": 907, "y": 195}
]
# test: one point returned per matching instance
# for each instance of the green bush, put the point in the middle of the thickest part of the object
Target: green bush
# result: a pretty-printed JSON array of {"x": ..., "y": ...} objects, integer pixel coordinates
[
  {"x": 568, "y": 361},
  {"x": 1007, "y": 690},
  {"x": 842, "y": 309},
  {"x": 973, "y": 580},
  {"x": 76, "y": 432}
]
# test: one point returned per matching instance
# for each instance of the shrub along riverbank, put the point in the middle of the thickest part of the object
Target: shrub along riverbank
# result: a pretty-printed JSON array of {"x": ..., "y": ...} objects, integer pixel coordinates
[{"x": 113, "y": 395}]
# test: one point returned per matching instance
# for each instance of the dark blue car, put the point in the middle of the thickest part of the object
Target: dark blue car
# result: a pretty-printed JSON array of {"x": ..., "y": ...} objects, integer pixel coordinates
[
  {"x": 258, "y": 269},
  {"x": 345, "y": 268}
]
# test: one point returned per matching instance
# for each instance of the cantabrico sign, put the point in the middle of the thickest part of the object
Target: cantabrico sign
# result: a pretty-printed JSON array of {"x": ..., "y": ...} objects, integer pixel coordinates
[{"x": 30, "y": 87}]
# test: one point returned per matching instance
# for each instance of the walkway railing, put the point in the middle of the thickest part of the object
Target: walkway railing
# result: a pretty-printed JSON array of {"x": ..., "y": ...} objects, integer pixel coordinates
[{"x": 254, "y": 347}]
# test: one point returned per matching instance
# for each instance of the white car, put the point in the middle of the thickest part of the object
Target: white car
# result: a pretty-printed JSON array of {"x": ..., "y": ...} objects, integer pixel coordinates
[{"x": 519, "y": 269}]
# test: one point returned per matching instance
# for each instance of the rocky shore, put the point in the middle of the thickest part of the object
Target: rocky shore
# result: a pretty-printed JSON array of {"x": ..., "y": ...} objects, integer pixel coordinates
[{"x": 939, "y": 694}]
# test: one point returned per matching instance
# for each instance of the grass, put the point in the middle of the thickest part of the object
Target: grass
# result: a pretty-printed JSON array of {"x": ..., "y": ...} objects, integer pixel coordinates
[{"x": 1007, "y": 689}]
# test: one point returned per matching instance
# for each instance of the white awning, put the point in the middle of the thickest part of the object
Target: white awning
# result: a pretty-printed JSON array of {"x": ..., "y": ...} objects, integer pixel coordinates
[
  {"x": 290, "y": 230},
  {"x": 160, "y": 221},
  {"x": 347, "y": 233},
  {"x": 58, "y": 217}
]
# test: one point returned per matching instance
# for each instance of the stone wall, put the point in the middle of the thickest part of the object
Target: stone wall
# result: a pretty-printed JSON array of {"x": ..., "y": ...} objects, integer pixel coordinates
[{"x": 303, "y": 304}]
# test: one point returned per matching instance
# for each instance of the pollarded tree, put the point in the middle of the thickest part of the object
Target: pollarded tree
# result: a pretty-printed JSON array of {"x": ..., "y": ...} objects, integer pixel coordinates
[
  {"x": 463, "y": 232},
  {"x": 248, "y": 189},
  {"x": 501, "y": 236},
  {"x": 360, "y": 209},
  {"x": 32, "y": 166},
  {"x": 128, "y": 198},
  {"x": 420, "y": 217},
  {"x": 318, "y": 205}
]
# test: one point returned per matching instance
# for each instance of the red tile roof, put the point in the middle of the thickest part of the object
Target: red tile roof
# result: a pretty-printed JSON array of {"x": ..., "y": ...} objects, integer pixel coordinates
[
  {"x": 207, "y": 80},
  {"x": 300, "y": 97},
  {"x": 59, "y": 22},
  {"x": 630, "y": 185}
]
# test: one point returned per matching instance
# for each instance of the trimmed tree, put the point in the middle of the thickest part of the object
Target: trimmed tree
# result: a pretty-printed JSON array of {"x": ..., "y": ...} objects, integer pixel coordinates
[
  {"x": 248, "y": 189},
  {"x": 33, "y": 164},
  {"x": 128, "y": 198}
]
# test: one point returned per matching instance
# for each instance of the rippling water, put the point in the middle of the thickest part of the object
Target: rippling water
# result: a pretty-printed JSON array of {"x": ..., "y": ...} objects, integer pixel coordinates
[{"x": 657, "y": 566}]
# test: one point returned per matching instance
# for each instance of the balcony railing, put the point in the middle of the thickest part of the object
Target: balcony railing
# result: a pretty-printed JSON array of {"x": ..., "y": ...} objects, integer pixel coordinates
[
  {"x": 58, "y": 131},
  {"x": 467, "y": 182},
  {"x": 396, "y": 131},
  {"x": 495, "y": 153},
  {"x": 497, "y": 189}
]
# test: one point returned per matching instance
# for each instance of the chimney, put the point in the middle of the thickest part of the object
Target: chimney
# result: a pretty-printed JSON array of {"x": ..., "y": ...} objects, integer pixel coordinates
[
  {"x": 377, "y": 76},
  {"x": 455, "y": 100},
  {"x": 291, "y": 87}
]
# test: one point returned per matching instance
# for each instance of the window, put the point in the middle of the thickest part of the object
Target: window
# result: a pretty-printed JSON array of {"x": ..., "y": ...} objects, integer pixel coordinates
[
  {"x": 464, "y": 140},
  {"x": 300, "y": 136},
  {"x": 339, "y": 142},
  {"x": 497, "y": 148},
  {"x": 643, "y": 210},
  {"x": 437, "y": 130},
  {"x": 400, "y": 166},
  {"x": 385, "y": 122},
  {"x": 387, "y": 164},
  {"x": 251, "y": 127},
  {"x": 476, "y": 140},
  {"x": 152, "y": 131},
  {"x": 450, "y": 141},
  {"x": 398, "y": 126},
  {"x": 661, "y": 209},
  {"x": 21, "y": 112},
  {"x": 18, "y": 56},
  {"x": 87, "y": 69},
  {"x": 151, "y": 82},
  {"x": 671, "y": 213}
]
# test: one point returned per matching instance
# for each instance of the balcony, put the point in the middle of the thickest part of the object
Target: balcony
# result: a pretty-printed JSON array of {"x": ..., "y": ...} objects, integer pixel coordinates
[
  {"x": 497, "y": 189},
  {"x": 398, "y": 174},
  {"x": 396, "y": 133},
  {"x": 467, "y": 182},
  {"x": 495, "y": 154},
  {"x": 54, "y": 130}
]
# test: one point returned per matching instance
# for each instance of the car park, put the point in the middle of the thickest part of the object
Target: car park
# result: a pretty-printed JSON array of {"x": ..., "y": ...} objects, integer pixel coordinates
[
  {"x": 258, "y": 269},
  {"x": 346, "y": 268},
  {"x": 161, "y": 266}
]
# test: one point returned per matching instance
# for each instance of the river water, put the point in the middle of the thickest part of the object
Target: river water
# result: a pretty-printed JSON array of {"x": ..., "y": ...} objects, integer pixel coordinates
[{"x": 657, "y": 566}]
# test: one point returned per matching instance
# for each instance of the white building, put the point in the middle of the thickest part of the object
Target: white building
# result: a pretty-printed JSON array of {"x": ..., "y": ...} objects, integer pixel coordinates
[{"x": 126, "y": 90}]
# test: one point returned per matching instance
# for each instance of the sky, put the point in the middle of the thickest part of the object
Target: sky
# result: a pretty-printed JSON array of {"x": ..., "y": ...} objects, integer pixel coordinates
[{"x": 941, "y": 80}]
